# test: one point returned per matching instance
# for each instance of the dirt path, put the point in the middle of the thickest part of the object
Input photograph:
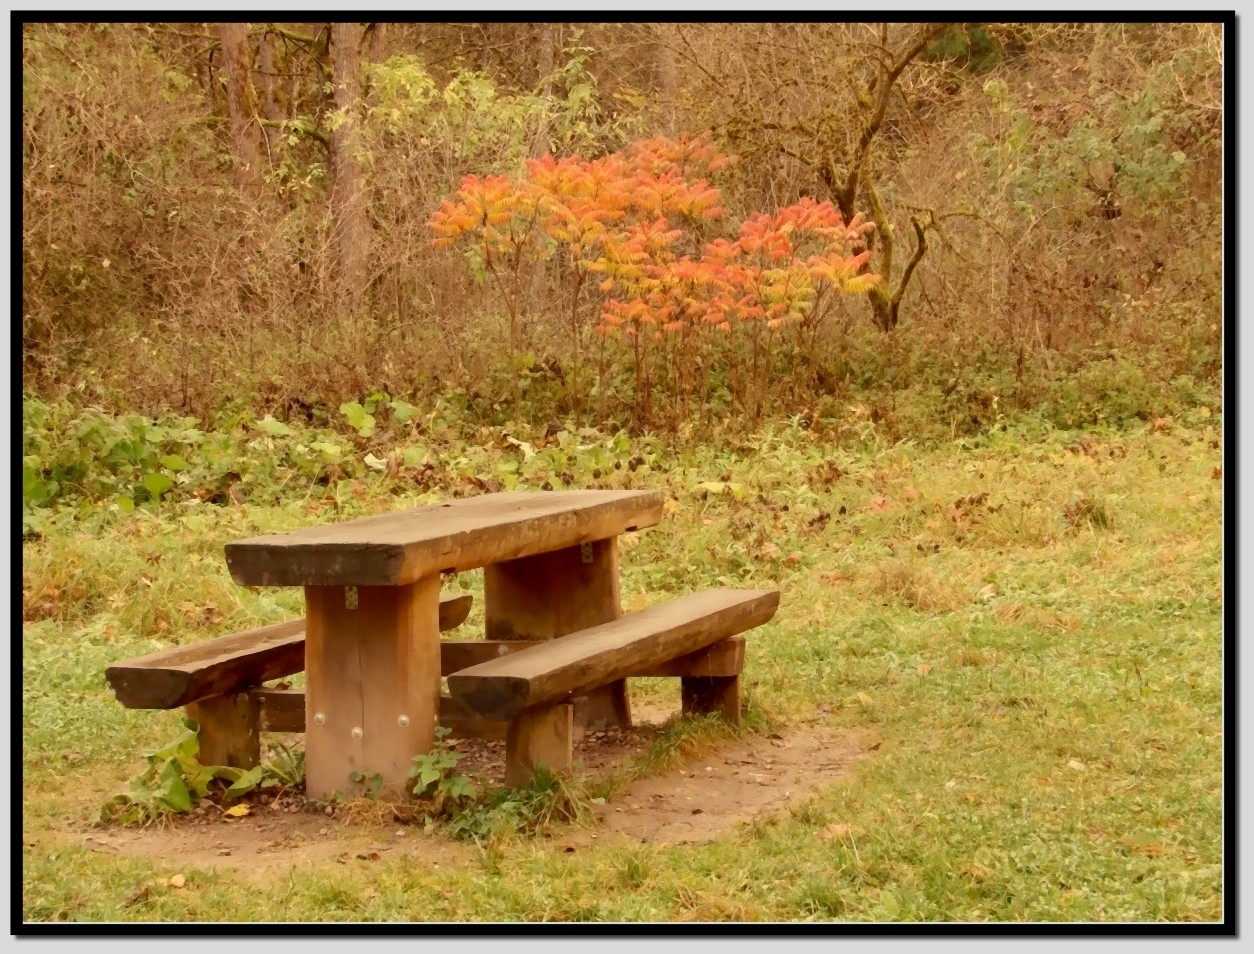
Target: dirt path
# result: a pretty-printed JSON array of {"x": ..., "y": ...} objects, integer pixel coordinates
[{"x": 733, "y": 784}]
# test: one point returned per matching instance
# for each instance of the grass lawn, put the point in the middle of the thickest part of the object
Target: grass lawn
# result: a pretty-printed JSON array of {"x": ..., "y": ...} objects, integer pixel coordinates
[{"x": 1028, "y": 625}]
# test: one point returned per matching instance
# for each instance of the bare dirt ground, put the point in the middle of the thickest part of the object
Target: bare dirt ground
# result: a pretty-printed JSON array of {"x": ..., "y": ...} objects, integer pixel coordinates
[{"x": 733, "y": 784}]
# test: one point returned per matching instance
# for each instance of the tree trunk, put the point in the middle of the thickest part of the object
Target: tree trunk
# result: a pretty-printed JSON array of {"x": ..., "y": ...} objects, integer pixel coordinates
[
  {"x": 352, "y": 222},
  {"x": 539, "y": 147},
  {"x": 546, "y": 52},
  {"x": 378, "y": 42},
  {"x": 241, "y": 99},
  {"x": 269, "y": 91},
  {"x": 667, "y": 75}
]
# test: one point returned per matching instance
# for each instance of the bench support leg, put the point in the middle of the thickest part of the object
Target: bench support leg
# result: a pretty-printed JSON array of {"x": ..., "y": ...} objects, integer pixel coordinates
[
  {"x": 552, "y": 594},
  {"x": 536, "y": 737},
  {"x": 229, "y": 729},
  {"x": 372, "y": 670},
  {"x": 712, "y": 694}
]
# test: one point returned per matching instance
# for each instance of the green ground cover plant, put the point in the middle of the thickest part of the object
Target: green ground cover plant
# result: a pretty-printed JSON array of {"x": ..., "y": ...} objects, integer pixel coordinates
[{"x": 1023, "y": 628}]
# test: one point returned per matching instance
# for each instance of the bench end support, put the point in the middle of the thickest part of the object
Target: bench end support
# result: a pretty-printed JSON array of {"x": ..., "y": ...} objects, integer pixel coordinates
[
  {"x": 539, "y": 736},
  {"x": 228, "y": 729},
  {"x": 719, "y": 695}
]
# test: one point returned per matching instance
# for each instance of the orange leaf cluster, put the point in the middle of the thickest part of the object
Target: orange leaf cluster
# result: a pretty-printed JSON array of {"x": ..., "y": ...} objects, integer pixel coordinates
[{"x": 624, "y": 217}]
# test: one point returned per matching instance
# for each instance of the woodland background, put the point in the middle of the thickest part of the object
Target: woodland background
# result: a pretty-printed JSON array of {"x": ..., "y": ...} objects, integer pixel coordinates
[{"x": 220, "y": 217}]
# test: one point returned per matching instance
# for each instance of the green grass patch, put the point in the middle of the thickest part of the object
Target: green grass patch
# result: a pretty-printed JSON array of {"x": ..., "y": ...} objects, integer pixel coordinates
[{"x": 1029, "y": 623}]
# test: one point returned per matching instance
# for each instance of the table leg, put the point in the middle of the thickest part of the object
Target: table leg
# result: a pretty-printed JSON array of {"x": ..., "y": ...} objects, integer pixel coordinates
[
  {"x": 552, "y": 594},
  {"x": 372, "y": 674}
]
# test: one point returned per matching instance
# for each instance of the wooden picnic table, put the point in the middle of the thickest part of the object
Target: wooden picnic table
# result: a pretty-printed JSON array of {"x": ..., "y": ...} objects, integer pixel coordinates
[{"x": 372, "y": 592}]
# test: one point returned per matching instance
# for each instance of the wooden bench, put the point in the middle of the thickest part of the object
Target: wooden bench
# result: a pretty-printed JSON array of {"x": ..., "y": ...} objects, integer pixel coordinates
[
  {"x": 535, "y": 688},
  {"x": 527, "y": 692},
  {"x": 219, "y": 681}
]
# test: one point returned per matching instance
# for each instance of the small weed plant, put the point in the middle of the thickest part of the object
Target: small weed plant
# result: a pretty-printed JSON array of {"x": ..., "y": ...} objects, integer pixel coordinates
[
  {"x": 435, "y": 780},
  {"x": 174, "y": 781},
  {"x": 550, "y": 800}
]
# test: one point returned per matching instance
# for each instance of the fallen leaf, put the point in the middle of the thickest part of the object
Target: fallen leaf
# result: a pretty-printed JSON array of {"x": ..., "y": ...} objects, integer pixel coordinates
[
  {"x": 1150, "y": 849},
  {"x": 238, "y": 811},
  {"x": 1077, "y": 765},
  {"x": 178, "y": 881},
  {"x": 368, "y": 855},
  {"x": 793, "y": 558},
  {"x": 835, "y": 830},
  {"x": 670, "y": 505},
  {"x": 880, "y": 502},
  {"x": 864, "y": 698},
  {"x": 923, "y": 669},
  {"x": 1217, "y": 473},
  {"x": 874, "y": 747}
]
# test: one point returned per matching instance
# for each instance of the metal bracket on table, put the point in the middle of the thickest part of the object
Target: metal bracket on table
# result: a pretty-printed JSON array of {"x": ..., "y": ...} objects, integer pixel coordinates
[
  {"x": 350, "y": 597},
  {"x": 585, "y": 552}
]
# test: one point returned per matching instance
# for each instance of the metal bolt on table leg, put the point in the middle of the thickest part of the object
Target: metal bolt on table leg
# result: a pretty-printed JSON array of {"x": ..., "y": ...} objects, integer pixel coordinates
[
  {"x": 402, "y": 721},
  {"x": 319, "y": 719},
  {"x": 356, "y": 733}
]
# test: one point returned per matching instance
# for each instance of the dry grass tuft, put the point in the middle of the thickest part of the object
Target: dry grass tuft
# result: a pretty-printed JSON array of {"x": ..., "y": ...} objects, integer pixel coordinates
[{"x": 915, "y": 585}]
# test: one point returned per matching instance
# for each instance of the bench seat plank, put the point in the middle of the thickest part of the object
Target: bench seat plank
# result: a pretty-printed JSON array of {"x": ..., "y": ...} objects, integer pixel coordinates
[
  {"x": 724, "y": 658},
  {"x": 576, "y": 663},
  {"x": 178, "y": 677},
  {"x": 283, "y": 710}
]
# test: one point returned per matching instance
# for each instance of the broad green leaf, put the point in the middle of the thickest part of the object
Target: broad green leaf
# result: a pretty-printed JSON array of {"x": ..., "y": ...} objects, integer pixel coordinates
[
  {"x": 333, "y": 451},
  {"x": 173, "y": 462},
  {"x": 245, "y": 783},
  {"x": 125, "y": 504},
  {"x": 172, "y": 789},
  {"x": 272, "y": 427},
  {"x": 458, "y": 786},
  {"x": 402, "y": 410},
  {"x": 359, "y": 418},
  {"x": 34, "y": 487},
  {"x": 157, "y": 484}
]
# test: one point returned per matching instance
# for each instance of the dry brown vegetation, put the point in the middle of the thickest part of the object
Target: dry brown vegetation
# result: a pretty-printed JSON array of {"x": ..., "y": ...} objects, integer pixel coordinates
[{"x": 224, "y": 213}]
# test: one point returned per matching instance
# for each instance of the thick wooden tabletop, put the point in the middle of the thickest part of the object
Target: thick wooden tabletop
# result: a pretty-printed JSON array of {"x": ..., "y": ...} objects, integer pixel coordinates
[{"x": 397, "y": 548}]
